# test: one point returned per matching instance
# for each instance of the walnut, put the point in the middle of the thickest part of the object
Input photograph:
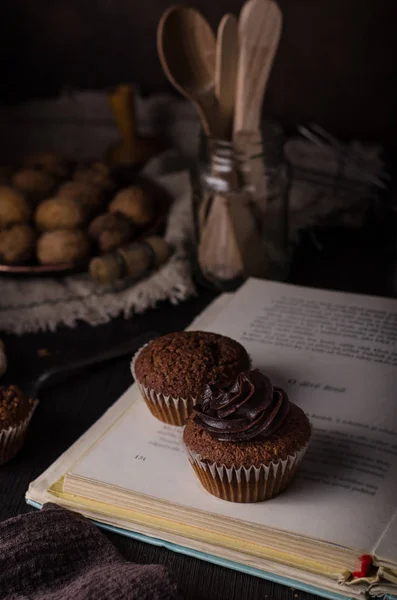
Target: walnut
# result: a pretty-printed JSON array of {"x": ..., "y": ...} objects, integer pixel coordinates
[
  {"x": 13, "y": 207},
  {"x": 111, "y": 230},
  {"x": 50, "y": 162},
  {"x": 135, "y": 204},
  {"x": 35, "y": 185},
  {"x": 63, "y": 247},
  {"x": 97, "y": 174},
  {"x": 59, "y": 213},
  {"x": 89, "y": 196},
  {"x": 17, "y": 245}
]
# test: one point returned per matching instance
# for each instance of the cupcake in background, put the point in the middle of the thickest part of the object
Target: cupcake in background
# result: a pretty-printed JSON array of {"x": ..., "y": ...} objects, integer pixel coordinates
[
  {"x": 245, "y": 441},
  {"x": 173, "y": 370},
  {"x": 15, "y": 413}
]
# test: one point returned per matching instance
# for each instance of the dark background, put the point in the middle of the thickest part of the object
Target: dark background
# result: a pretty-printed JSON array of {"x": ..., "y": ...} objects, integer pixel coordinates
[{"x": 336, "y": 64}]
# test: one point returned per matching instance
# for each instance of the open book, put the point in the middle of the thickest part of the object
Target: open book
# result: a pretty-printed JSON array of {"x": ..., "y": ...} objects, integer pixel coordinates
[{"x": 336, "y": 355}]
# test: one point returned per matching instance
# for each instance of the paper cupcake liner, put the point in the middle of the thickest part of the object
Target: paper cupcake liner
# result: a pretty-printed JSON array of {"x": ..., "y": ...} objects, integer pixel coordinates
[
  {"x": 168, "y": 409},
  {"x": 240, "y": 484},
  {"x": 12, "y": 439}
]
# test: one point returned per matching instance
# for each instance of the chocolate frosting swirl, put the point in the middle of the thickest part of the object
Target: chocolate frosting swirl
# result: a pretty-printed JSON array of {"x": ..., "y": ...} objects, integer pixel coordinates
[{"x": 251, "y": 408}]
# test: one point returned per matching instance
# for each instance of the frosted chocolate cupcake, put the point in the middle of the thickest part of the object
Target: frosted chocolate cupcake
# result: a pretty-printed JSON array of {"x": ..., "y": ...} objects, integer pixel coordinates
[
  {"x": 15, "y": 413},
  {"x": 173, "y": 370},
  {"x": 245, "y": 441}
]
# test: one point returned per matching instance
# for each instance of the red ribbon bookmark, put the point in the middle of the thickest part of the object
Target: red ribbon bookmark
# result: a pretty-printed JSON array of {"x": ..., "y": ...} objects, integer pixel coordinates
[{"x": 365, "y": 565}]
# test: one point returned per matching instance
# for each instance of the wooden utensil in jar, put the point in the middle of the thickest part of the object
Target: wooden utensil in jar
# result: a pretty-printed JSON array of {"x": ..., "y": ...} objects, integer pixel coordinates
[
  {"x": 259, "y": 27},
  {"x": 230, "y": 246},
  {"x": 226, "y": 72},
  {"x": 259, "y": 30},
  {"x": 187, "y": 48}
]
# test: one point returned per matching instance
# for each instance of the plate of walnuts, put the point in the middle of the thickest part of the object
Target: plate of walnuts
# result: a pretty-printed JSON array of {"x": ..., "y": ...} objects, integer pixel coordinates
[{"x": 55, "y": 216}]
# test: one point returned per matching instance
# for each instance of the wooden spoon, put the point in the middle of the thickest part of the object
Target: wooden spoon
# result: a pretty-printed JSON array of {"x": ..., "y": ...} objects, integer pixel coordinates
[
  {"x": 259, "y": 34},
  {"x": 230, "y": 245},
  {"x": 226, "y": 71},
  {"x": 187, "y": 48}
]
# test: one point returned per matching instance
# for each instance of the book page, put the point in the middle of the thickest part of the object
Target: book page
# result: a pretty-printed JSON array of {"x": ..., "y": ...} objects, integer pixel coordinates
[
  {"x": 335, "y": 354},
  {"x": 386, "y": 548},
  {"x": 207, "y": 317}
]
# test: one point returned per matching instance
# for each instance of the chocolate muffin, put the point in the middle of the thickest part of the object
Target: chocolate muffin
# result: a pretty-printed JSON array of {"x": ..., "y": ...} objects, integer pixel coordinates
[
  {"x": 15, "y": 413},
  {"x": 173, "y": 370},
  {"x": 245, "y": 441}
]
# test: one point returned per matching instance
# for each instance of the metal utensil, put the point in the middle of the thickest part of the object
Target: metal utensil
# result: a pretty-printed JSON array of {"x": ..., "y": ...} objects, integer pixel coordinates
[
  {"x": 187, "y": 48},
  {"x": 57, "y": 374}
]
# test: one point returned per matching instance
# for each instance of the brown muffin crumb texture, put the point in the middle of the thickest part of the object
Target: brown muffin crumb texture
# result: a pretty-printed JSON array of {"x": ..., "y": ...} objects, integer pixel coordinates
[
  {"x": 180, "y": 364},
  {"x": 291, "y": 437},
  {"x": 14, "y": 406}
]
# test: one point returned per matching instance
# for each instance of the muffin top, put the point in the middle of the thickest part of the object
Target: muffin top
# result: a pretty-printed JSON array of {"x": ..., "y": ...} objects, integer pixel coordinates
[
  {"x": 294, "y": 435},
  {"x": 248, "y": 423},
  {"x": 181, "y": 364},
  {"x": 14, "y": 406}
]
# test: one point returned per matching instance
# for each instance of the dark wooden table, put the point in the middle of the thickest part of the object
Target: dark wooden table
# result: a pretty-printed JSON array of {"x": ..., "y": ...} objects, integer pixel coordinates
[{"x": 67, "y": 410}]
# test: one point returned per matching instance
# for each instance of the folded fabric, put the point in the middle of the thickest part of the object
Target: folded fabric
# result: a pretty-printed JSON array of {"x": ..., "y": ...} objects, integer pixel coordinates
[{"x": 56, "y": 554}]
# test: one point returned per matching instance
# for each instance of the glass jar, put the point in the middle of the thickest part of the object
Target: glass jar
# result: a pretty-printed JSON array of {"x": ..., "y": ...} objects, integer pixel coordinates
[{"x": 240, "y": 205}]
